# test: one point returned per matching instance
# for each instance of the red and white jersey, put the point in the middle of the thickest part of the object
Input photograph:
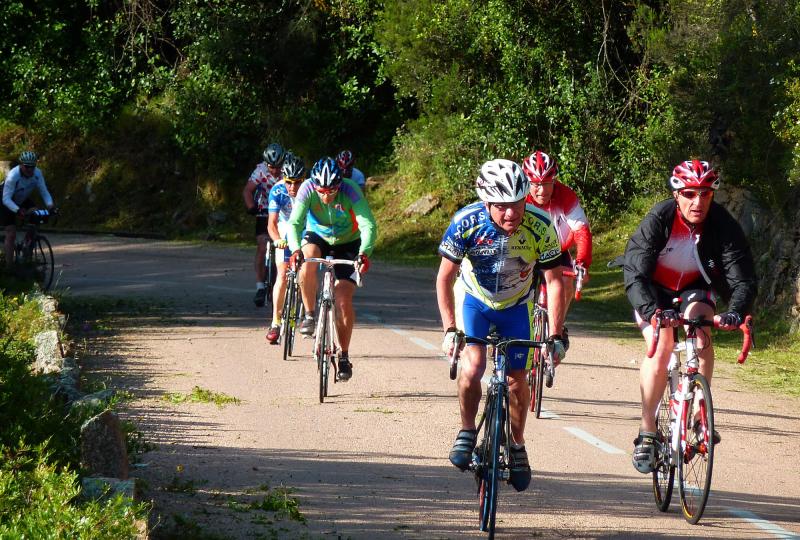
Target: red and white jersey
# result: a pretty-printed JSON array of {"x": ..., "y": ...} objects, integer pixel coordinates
[
  {"x": 677, "y": 265},
  {"x": 570, "y": 221},
  {"x": 264, "y": 180}
]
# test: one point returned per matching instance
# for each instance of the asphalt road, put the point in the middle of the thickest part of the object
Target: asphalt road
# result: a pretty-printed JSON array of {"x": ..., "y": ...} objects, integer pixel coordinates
[{"x": 371, "y": 462}]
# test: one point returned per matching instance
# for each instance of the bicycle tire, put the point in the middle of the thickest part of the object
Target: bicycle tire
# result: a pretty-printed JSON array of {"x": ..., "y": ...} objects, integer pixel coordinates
[
  {"x": 43, "y": 262},
  {"x": 287, "y": 316},
  {"x": 664, "y": 473},
  {"x": 494, "y": 426},
  {"x": 697, "y": 460},
  {"x": 537, "y": 380},
  {"x": 320, "y": 345},
  {"x": 299, "y": 313},
  {"x": 482, "y": 469}
]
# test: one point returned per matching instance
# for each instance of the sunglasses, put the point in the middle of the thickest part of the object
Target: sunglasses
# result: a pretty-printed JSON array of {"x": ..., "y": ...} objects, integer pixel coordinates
[
  {"x": 691, "y": 194},
  {"x": 326, "y": 191},
  {"x": 293, "y": 180}
]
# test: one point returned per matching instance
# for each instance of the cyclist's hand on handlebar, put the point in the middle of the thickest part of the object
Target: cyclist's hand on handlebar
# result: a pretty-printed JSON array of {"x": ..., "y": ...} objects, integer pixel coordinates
[
  {"x": 730, "y": 320},
  {"x": 281, "y": 244},
  {"x": 22, "y": 213},
  {"x": 253, "y": 210},
  {"x": 669, "y": 318},
  {"x": 581, "y": 267},
  {"x": 451, "y": 339},
  {"x": 363, "y": 263},
  {"x": 296, "y": 260},
  {"x": 559, "y": 350}
]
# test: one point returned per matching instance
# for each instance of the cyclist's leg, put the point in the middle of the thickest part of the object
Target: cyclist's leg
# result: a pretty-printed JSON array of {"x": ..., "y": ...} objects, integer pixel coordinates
[
  {"x": 313, "y": 247},
  {"x": 694, "y": 308},
  {"x": 8, "y": 245},
  {"x": 279, "y": 291},
  {"x": 345, "y": 314},
  {"x": 653, "y": 373},
  {"x": 261, "y": 249}
]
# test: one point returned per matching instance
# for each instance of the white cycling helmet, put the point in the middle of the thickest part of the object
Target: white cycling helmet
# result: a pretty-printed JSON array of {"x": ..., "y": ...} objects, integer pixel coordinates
[{"x": 501, "y": 181}]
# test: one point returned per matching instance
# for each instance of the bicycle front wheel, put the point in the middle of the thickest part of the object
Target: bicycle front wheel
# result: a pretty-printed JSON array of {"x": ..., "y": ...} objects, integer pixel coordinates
[
  {"x": 43, "y": 263},
  {"x": 489, "y": 482},
  {"x": 320, "y": 346},
  {"x": 537, "y": 370},
  {"x": 697, "y": 448},
  {"x": 664, "y": 473},
  {"x": 288, "y": 316}
]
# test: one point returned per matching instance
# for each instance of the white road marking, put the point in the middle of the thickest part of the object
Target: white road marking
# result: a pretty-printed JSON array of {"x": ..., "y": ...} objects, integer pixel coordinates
[
  {"x": 422, "y": 343},
  {"x": 763, "y": 524},
  {"x": 594, "y": 441},
  {"x": 419, "y": 342}
]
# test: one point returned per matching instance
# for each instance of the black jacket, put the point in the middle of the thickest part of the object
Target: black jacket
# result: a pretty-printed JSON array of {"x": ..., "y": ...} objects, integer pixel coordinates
[{"x": 727, "y": 264}]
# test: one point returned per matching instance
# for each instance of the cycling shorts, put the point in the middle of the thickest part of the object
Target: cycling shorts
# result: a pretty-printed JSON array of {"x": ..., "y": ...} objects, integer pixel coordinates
[
  {"x": 698, "y": 291},
  {"x": 7, "y": 217},
  {"x": 513, "y": 322},
  {"x": 348, "y": 250},
  {"x": 261, "y": 225}
]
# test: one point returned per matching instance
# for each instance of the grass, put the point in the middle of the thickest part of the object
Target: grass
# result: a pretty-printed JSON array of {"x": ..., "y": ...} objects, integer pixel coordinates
[{"x": 202, "y": 395}]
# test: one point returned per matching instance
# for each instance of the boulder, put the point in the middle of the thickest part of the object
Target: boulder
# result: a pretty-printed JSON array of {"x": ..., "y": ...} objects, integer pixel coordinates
[
  {"x": 422, "y": 206},
  {"x": 103, "y": 450}
]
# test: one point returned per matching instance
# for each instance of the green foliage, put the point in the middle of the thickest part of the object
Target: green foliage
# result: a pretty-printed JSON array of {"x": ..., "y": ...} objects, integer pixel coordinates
[{"x": 202, "y": 395}]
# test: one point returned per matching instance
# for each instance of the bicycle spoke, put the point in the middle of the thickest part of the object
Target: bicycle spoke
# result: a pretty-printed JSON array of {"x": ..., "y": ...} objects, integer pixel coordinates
[
  {"x": 664, "y": 475},
  {"x": 696, "y": 463}
]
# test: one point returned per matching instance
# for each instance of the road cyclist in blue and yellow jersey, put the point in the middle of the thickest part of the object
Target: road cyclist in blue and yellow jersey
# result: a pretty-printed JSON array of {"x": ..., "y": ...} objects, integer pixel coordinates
[
  {"x": 497, "y": 243},
  {"x": 281, "y": 199},
  {"x": 338, "y": 222}
]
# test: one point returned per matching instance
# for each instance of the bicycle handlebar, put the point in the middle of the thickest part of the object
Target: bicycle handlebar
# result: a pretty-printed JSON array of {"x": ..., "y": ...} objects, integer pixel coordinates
[
  {"x": 746, "y": 328},
  {"x": 577, "y": 273},
  {"x": 498, "y": 341},
  {"x": 332, "y": 262}
]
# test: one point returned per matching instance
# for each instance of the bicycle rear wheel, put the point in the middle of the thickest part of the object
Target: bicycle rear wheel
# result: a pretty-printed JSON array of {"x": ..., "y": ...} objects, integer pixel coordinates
[
  {"x": 664, "y": 473},
  {"x": 320, "y": 346},
  {"x": 288, "y": 317},
  {"x": 697, "y": 460},
  {"x": 489, "y": 481},
  {"x": 537, "y": 377},
  {"x": 43, "y": 263}
]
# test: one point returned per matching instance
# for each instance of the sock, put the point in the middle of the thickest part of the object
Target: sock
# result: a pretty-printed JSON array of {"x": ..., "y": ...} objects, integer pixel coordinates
[
  {"x": 516, "y": 446},
  {"x": 343, "y": 356},
  {"x": 309, "y": 315},
  {"x": 259, "y": 285}
]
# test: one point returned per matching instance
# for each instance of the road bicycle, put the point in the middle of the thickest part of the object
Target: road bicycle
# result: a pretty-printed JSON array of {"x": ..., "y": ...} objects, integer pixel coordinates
[
  {"x": 272, "y": 271},
  {"x": 291, "y": 314},
  {"x": 541, "y": 364},
  {"x": 325, "y": 337},
  {"x": 490, "y": 459},
  {"x": 685, "y": 421},
  {"x": 33, "y": 254}
]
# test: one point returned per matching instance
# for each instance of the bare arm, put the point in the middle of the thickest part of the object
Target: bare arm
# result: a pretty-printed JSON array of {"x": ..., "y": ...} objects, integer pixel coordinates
[
  {"x": 247, "y": 194},
  {"x": 448, "y": 270},
  {"x": 555, "y": 298},
  {"x": 272, "y": 226}
]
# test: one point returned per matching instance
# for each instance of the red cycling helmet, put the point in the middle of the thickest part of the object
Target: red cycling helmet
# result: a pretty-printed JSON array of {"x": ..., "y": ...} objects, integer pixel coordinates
[
  {"x": 345, "y": 159},
  {"x": 693, "y": 174},
  {"x": 539, "y": 168}
]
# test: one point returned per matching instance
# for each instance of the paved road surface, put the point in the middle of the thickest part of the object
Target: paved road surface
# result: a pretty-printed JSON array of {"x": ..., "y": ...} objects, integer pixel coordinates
[{"x": 371, "y": 462}]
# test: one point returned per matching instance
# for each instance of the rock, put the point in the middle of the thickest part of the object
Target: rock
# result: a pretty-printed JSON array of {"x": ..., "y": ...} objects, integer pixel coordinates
[
  {"x": 422, "y": 206},
  {"x": 103, "y": 450},
  {"x": 94, "y": 401},
  {"x": 48, "y": 352}
]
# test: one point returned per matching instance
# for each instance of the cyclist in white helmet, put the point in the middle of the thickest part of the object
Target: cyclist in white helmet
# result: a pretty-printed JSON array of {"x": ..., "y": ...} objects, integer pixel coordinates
[
  {"x": 18, "y": 186},
  {"x": 496, "y": 242}
]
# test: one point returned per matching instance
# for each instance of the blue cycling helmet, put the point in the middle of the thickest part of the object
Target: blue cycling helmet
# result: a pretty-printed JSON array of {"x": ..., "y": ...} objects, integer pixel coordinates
[
  {"x": 274, "y": 155},
  {"x": 28, "y": 158},
  {"x": 326, "y": 174}
]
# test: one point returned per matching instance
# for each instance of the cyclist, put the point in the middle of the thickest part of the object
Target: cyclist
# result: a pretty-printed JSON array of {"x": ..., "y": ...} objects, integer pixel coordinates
[
  {"x": 570, "y": 220},
  {"x": 256, "y": 195},
  {"x": 338, "y": 222},
  {"x": 18, "y": 186},
  {"x": 496, "y": 244},
  {"x": 281, "y": 197},
  {"x": 686, "y": 247},
  {"x": 346, "y": 162}
]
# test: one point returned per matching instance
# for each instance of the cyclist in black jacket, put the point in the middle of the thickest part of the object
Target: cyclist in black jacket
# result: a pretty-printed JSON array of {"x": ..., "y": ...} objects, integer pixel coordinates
[{"x": 686, "y": 247}]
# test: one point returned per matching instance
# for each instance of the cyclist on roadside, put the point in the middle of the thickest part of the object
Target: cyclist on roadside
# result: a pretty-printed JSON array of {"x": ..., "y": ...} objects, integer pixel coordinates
[
  {"x": 18, "y": 186},
  {"x": 346, "y": 162},
  {"x": 338, "y": 222},
  {"x": 570, "y": 220},
  {"x": 686, "y": 247},
  {"x": 281, "y": 197},
  {"x": 496, "y": 243},
  {"x": 256, "y": 195}
]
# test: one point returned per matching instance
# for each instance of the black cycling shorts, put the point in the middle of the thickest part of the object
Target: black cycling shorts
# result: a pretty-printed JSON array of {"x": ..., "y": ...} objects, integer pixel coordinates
[
  {"x": 348, "y": 250},
  {"x": 7, "y": 217},
  {"x": 261, "y": 225},
  {"x": 699, "y": 291}
]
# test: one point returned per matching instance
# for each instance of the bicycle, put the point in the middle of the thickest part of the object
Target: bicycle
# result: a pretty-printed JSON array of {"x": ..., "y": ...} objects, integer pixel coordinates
[
  {"x": 325, "y": 336},
  {"x": 291, "y": 314},
  {"x": 33, "y": 254},
  {"x": 490, "y": 459},
  {"x": 685, "y": 421},
  {"x": 542, "y": 363}
]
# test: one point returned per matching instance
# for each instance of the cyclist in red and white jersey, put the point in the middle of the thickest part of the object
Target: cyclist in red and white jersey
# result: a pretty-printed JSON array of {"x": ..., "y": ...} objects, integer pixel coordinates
[
  {"x": 256, "y": 200},
  {"x": 686, "y": 247},
  {"x": 571, "y": 223}
]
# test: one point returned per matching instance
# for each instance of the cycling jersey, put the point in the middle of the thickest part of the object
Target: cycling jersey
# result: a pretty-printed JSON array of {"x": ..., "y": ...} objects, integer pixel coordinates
[
  {"x": 17, "y": 188},
  {"x": 665, "y": 251},
  {"x": 358, "y": 177},
  {"x": 570, "y": 221},
  {"x": 264, "y": 180},
  {"x": 497, "y": 268},
  {"x": 280, "y": 202},
  {"x": 346, "y": 219}
]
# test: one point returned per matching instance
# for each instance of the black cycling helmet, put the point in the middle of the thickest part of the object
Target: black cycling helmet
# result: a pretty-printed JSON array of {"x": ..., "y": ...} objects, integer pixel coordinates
[
  {"x": 293, "y": 166},
  {"x": 28, "y": 158},
  {"x": 326, "y": 174},
  {"x": 274, "y": 155}
]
